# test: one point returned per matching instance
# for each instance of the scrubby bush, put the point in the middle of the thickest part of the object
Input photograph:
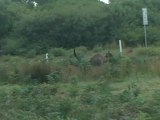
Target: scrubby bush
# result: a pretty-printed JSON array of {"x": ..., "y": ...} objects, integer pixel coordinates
[
  {"x": 117, "y": 68},
  {"x": 14, "y": 46},
  {"x": 150, "y": 51},
  {"x": 143, "y": 116},
  {"x": 97, "y": 49},
  {"x": 31, "y": 53},
  {"x": 28, "y": 102},
  {"x": 54, "y": 77},
  {"x": 38, "y": 72},
  {"x": 4, "y": 73},
  {"x": 84, "y": 113},
  {"x": 87, "y": 98},
  {"x": 131, "y": 93},
  {"x": 82, "y": 49},
  {"x": 15, "y": 77},
  {"x": 57, "y": 52},
  {"x": 154, "y": 106},
  {"x": 73, "y": 91},
  {"x": 74, "y": 88},
  {"x": 65, "y": 107}
]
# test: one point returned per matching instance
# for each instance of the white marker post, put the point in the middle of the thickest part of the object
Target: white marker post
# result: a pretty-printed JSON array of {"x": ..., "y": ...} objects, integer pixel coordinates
[
  {"x": 120, "y": 47},
  {"x": 145, "y": 23},
  {"x": 105, "y": 1},
  {"x": 46, "y": 57},
  {"x": 34, "y": 4}
]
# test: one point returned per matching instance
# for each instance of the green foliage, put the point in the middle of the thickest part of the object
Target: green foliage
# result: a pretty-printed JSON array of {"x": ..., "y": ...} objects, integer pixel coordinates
[
  {"x": 54, "y": 77},
  {"x": 87, "y": 95},
  {"x": 57, "y": 52},
  {"x": 12, "y": 45},
  {"x": 30, "y": 102},
  {"x": 150, "y": 51},
  {"x": 131, "y": 93},
  {"x": 3, "y": 73},
  {"x": 15, "y": 76},
  {"x": 143, "y": 116},
  {"x": 154, "y": 104},
  {"x": 5, "y": 18},
  {"x": 65, "y": 107},
  {"x": 66, "y": 25},
  {"x": 76, "y": 98},
  {"x": 98, "y": 49},
  {"x": 74, "y": 23},
  {"x": 31, "y": 53},
  {"x": 38, "y": 72}
]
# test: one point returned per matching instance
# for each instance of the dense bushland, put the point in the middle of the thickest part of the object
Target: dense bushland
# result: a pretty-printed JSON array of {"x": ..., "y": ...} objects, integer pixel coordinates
[
  {"x": 63, "y": 66},
  {"x": 66, "y": 89},
  {"x": 76, "y": 101},
  {"x": 63, "y": 88},
  {"x": 73, "y": 23}
]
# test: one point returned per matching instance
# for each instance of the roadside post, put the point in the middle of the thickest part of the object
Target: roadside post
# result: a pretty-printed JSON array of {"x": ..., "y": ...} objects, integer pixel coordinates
[
  {"x": 120, "y": 47},
  {"x": 145, "y": 23},
  {"x": 46, "y": 57}
]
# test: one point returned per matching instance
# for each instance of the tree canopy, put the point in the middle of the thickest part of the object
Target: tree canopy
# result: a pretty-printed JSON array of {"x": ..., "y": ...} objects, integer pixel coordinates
[{"x": 70, "y": 23}]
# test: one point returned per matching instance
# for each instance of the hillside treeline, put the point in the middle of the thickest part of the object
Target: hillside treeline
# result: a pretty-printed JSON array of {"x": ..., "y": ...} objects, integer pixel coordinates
[{"x": 70, "y": 23}]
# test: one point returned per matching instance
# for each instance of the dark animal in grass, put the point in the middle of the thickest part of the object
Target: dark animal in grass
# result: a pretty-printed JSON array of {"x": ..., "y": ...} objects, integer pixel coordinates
[{"x": 98, "y": 59}]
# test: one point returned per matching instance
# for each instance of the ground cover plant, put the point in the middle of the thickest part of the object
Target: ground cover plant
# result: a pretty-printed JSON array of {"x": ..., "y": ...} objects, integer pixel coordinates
[
  {"x": 78, "y": 81},
  {"x": 125, "y": 88}
]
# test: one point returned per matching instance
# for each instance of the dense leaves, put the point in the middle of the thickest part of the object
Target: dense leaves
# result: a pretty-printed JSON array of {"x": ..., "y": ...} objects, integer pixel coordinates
[{"x": 70, "y": 23}]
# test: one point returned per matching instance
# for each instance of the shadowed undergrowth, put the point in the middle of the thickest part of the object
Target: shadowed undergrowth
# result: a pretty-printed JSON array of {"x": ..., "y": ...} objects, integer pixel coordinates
[{"x": 126, "y": 88}]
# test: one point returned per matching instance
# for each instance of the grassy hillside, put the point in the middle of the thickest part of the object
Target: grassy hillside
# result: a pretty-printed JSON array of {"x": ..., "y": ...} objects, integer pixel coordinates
[{"x": 126, "y": 88}]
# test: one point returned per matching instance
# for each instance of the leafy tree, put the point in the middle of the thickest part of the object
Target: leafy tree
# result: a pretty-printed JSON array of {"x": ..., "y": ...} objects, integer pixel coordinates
[
  {"x": 6, "y": 23},
  {"x": 70, "y": 23}
]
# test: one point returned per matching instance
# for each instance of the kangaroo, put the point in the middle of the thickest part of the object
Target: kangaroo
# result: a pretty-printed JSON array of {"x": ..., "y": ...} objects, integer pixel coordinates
[{"x": 97, "y": 59}]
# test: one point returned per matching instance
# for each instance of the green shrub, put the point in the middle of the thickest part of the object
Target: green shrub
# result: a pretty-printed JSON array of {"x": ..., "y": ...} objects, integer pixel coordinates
[
  {"x": 131, "y": 93},
  {"x": 73, "y": 91},
  {"x": 28, "y": 102},
  {"x": 65, "y": 107},
  {"x": 57, "y": 52},
  {"x": 112, "y": 71},
  {"x": 74, "y": 80},
  {"x": 54, "y": 77},
  {"x": 3, "y": 73},
  {"x": 87, "y": 97},
  {"x": 153, "y": 107},
  {"x": 80, "y": 59},
  {"x": 74, "y": 88},
  {"x": 44, "y": 89},
  {"x": 97, "y": 49},
  {"x": 143, "y": 116},
  {"x": 150, "y": 51},
  {"x": 31, "y": 53},
  {"x": 82, "y": 49},
  {"x": 38, "y": 72},
  {"x": 15, "y": 76},
  {"x": 85, "y": 113},
  {"x": 13, "y": 45}
]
